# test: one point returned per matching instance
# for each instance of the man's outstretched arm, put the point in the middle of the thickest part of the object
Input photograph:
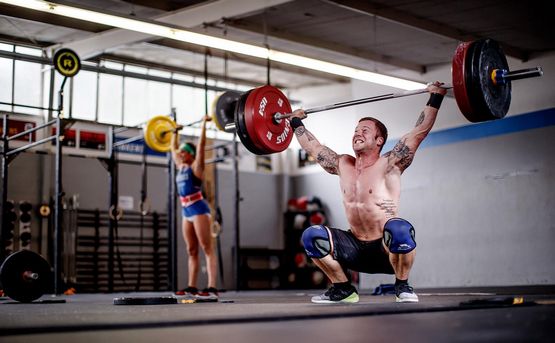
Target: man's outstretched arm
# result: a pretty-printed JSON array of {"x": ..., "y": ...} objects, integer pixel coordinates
[
  {"x": 403, "y": 152},
  {"x": 327, "y": 158}
]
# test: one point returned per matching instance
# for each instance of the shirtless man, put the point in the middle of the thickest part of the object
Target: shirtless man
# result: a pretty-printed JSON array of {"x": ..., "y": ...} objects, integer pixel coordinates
[{"x": 378, "y": 241}]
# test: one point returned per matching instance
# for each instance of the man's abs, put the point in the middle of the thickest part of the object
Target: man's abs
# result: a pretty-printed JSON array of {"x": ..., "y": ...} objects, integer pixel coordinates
[{"x": 367, "y": 219}]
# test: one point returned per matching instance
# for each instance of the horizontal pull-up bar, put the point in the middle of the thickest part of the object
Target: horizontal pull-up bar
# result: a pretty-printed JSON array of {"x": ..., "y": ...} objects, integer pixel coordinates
[
  {"x": 25, "y": 147},
  {"x": 28, "y": 106},
  {"x": 26, "y": 132}
]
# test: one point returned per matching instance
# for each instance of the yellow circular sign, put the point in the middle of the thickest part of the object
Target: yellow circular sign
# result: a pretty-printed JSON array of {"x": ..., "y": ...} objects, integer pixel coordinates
[{"x": 67, "y": 62}]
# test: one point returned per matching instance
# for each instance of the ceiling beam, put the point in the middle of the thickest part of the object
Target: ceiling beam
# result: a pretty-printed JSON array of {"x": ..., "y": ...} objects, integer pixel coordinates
[
  {"x": 250, "y": 60},
  {"x": 49, "y": 18},
  {"x": 164, "y": 5},
  {"x": 187, "y": 71},
  {"x": 189, "y": 17},
  {"x": 425, "y": 24},
  {"x": 296, "y": 37}
]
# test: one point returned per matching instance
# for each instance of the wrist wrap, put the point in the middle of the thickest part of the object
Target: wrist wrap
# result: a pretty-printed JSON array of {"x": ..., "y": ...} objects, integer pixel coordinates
[
  {"x": 295, "y": 123},
  {"x": 435, "y": 100}
]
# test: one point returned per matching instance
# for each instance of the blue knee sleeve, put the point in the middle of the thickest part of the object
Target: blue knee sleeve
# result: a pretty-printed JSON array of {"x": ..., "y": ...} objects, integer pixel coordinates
[
  {"x": 316, "y": 241},
  {"x": 398, "y": 236}
]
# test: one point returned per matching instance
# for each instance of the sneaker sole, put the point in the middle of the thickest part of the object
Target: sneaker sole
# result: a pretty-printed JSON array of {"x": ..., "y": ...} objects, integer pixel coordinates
[
  {"x": 206, "y": 299},
  {"x": 406, "y": 300},
  {"x": 351, "y": 299}
]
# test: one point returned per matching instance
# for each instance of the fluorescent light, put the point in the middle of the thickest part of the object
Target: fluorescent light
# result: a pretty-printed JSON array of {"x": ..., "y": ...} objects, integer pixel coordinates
[
  {"x": 161, "y": 30},
  {"x": 338, "y": 69}
]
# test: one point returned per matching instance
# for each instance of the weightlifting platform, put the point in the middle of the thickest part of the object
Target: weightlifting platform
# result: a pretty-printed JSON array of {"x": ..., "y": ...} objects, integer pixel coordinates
[{"x": 515, "y": 314}]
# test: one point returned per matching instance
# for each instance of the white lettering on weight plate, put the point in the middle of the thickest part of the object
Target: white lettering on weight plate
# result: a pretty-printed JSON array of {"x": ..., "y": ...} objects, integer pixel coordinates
[{"x": 262, "y": 106}]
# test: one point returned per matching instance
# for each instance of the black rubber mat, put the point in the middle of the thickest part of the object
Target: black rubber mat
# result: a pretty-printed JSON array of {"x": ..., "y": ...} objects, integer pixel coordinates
[{"x": 96, "y": 312}]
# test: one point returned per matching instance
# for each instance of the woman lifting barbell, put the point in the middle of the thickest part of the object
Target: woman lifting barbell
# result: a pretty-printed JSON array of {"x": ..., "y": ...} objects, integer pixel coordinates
[{"x": 189, "y": 161}]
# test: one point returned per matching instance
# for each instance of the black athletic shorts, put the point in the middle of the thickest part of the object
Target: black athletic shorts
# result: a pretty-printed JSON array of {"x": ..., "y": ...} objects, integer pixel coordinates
[{"x": 361, "y": 256}]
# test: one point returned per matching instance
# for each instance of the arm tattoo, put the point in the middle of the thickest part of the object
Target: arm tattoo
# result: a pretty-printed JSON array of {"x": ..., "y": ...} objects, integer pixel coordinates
[
  {"x": 389, "y": 207},
  {"x": 300, "y": 131},
  {"x": 401, "y": 152},
  {"x": 420, "y": 119},
  {"x": 328, "y": 159}
]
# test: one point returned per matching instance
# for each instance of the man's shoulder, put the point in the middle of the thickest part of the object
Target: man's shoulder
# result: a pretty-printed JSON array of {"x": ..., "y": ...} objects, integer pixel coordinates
[{"x": 346, "y": 158}]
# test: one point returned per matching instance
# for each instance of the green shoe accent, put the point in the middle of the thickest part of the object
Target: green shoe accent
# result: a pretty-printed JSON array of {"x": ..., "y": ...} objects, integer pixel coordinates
[{"x": 353, "y": 298}]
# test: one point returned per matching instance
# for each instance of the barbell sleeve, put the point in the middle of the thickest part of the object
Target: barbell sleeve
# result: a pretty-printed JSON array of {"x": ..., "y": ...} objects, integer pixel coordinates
[
  {"x": 503, "y": 76},
  {"x": 524, "y": 73},
  {"x": 29, "y": 275}
]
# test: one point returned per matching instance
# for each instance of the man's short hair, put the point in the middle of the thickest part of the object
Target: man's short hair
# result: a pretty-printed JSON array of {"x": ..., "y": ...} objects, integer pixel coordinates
[{"x": 382, "y": 130}]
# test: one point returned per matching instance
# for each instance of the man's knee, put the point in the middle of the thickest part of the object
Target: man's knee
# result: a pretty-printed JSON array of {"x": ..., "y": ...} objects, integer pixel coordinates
[
  {"x": 316, "y": 241},
  {"x": 399, "y": 236}
]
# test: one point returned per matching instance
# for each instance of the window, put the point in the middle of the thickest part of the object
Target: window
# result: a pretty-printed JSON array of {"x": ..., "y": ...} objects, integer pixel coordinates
[
  {"x": 182, "y": 98},
  {"x": 6, "y": 82},
  {"x": 84, "y": 95},
  {"x": 110, "y": 97},
  {"x": 159, "y": 96},
  {"x": 98, "y": 96},
  {"x": 136, "y": 101},
  {"x": 27, "y": 86}
]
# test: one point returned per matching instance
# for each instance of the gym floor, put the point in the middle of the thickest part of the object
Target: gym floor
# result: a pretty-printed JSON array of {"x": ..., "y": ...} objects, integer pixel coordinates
[{"x": 281, "y": 316}]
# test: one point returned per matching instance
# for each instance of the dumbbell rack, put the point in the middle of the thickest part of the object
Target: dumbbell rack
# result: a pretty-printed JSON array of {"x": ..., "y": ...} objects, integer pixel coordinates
[{"x": 138, "y": 264}]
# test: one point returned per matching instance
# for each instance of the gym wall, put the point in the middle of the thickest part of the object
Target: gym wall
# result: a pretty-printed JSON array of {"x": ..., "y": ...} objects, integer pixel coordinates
[{"x": 481, "y": 203}]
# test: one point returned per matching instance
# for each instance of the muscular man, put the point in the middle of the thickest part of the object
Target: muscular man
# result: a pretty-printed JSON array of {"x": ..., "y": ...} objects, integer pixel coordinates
[
  {"x": 377, "y": 241},
  {"x": 196, "y": 212}
]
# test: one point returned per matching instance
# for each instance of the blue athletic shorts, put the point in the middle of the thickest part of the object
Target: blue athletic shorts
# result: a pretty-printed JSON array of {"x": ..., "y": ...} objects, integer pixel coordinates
[{"x": 199, "y": 207}]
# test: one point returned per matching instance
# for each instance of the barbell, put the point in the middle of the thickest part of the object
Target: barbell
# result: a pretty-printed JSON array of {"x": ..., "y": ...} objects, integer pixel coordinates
[
  {"x": 25, "y": 276},
  {"x": 481, "y": 83}
]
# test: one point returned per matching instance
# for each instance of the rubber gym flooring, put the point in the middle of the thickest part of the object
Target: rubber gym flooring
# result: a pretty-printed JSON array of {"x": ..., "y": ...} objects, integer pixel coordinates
[{"x": 442, "y": 315}]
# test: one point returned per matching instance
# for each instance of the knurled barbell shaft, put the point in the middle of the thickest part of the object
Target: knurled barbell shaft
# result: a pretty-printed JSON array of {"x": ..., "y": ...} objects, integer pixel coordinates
[
  {"x": 279, "y": 116},
  {"x": 388, "y": 96},
  {"x": 182, "y": 126}
]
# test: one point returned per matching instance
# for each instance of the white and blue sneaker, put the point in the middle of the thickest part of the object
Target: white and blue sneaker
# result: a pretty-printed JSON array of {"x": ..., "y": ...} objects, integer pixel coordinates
[{"x": 405, "y": 294}]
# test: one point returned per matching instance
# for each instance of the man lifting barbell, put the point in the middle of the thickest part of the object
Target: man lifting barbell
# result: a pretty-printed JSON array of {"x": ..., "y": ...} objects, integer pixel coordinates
[
  {"x": 377, "y": 241},
  {"x": 189, "y": 161}
]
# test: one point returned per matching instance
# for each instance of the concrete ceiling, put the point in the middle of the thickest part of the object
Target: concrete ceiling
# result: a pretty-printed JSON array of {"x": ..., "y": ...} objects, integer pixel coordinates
[{"x": 387, "y": 36}]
